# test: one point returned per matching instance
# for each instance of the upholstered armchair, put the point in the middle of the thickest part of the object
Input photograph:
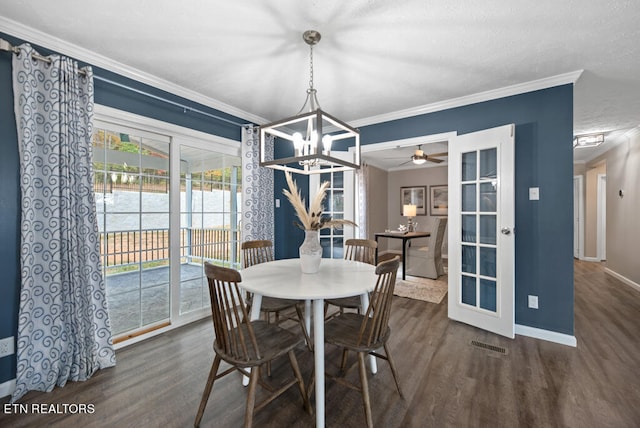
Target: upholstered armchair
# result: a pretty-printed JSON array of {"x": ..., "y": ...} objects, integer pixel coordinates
[{"x": 426, "y": 261}]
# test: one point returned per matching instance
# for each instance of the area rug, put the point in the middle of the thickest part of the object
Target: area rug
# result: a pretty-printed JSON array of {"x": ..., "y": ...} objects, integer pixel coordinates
[{"x": 428, "y": 290}]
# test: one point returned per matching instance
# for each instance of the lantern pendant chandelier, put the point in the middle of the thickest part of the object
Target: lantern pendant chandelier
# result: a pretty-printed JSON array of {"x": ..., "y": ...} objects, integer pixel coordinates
[{"x": 312, "y": 141}]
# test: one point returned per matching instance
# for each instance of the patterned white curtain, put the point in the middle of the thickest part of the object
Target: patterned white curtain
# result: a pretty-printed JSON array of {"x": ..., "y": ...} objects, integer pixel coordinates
[
  {"x": 257, "y": 188},
  {"x": 362, "y": 185},
  {"x": 63, "y": 327}
]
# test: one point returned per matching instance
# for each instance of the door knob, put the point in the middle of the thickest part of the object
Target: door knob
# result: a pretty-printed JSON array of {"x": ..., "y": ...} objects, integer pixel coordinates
[{"x": 505, "y": 231}]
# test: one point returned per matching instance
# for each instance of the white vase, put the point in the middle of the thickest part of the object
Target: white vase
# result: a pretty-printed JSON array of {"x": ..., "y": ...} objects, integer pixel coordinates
[{"x": 310, "y": 252}]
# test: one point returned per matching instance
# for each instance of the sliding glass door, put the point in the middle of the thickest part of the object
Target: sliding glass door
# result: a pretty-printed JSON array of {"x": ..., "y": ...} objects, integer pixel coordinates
[{"x": 153, "y": 255}]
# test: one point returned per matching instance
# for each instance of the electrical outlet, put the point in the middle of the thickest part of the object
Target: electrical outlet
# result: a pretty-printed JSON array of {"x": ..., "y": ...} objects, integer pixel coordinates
[
  {"x": 6, "y": 346},
  {"x": 533, "y": 301}
]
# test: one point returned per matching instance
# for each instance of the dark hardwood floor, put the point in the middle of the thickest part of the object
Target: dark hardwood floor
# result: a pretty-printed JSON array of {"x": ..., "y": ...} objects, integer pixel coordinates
[{"x": 447, "y": 382}]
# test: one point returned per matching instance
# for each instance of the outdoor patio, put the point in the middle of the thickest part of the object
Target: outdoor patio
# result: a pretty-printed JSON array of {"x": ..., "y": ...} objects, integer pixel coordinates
[{"x": 131, "y": 306}]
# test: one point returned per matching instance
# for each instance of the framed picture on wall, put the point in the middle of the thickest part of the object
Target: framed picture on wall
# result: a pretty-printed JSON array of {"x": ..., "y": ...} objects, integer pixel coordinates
[
  {"x": 417, "y": 196},
  {"x": 439, "y": 202}
]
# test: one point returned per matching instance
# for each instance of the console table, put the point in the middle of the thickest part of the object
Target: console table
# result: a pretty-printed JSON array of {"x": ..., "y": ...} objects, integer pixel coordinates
[{"x": 406, "y": 237}]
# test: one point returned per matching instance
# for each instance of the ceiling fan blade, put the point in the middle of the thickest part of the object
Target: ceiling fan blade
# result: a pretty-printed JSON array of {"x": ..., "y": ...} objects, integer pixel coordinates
[
  {"x": 439, "y": 154},
  {"x": 404, "y": 163},
  {"x": 430, "y": 159}
]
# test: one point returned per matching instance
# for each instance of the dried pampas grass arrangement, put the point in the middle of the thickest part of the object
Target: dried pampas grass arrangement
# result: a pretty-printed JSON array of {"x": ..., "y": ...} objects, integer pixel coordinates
[{"x": 312, "y": 219}]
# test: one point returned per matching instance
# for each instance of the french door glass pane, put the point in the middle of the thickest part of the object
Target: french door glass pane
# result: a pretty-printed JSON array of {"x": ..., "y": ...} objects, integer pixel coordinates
[
  {"x": 469, "y": 290},
  {"x": 332, "y": 248},
  {"x": 488, "y": 297},
  {"x": 468, "y": 228},
  {"x": 338, "y": 180},
  {"x": 488, "y": 163},
  {"x": 469, "y": 167},
  {"x": 488, "y": 261},
  {"x": 487, "y": 197},
  {"x": 468, "y": 197},
  {"x": 468, "y": 259},
  {"x": 488, "y": 229},
  {"x": 337, "y": 201}
]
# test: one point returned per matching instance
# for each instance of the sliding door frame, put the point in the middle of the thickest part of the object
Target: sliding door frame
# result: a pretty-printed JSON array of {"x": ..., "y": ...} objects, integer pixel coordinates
[{"x": 107, "y": 116}]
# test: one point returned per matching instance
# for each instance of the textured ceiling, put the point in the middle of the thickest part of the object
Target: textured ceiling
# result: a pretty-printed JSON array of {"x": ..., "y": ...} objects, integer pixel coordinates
[{"x": 375, "y": 57}]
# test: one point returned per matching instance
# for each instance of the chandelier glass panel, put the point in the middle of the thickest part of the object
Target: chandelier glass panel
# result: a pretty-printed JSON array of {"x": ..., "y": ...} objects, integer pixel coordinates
[{"x": 313, "y": 141}]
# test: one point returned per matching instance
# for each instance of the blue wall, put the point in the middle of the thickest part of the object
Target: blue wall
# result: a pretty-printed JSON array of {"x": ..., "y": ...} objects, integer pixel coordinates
[
  {"x": 105, "y": 94},
  {"x": 544, "y": 159}
]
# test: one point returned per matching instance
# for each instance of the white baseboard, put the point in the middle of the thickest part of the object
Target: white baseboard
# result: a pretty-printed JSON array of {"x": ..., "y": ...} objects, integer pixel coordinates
[
  {"x": 550, "y": 336},
  {"x": 622, "y": 278},
  {"x": 591, "y": 259},
  {"x": 7, "y": 388}
]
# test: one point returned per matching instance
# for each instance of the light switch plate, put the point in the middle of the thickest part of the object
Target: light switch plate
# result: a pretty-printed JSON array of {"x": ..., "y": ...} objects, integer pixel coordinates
[
  {"x": 277, "y": 203},
  {"x": 533, "y": 301},
  {"x": 534, "y": 193}
]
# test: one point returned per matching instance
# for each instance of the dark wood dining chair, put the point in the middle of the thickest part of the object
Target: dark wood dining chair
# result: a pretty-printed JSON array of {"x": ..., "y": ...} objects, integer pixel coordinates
[
  {"x": 361, "y": 250},
  {"x": 245, "y": 344},
  {"x": 365, "y": 334},
  {"x": 261, "y": 251}
]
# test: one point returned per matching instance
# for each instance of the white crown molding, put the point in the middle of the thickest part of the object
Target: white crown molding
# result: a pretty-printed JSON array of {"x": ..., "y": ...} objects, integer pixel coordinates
[
  {"x": 37, "y": 37},
  {"x": 507, "y": 91}
]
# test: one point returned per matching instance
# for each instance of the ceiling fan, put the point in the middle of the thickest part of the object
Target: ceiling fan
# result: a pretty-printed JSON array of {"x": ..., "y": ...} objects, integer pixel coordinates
[{"x": 419, "y": 157}]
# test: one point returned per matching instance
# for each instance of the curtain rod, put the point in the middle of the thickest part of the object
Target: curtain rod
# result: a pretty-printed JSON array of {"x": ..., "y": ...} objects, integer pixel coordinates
[{"x": 6, "y": 46}]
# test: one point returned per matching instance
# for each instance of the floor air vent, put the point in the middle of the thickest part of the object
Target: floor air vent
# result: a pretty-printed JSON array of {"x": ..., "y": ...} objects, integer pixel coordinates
[{"x": 488, "y": 347}]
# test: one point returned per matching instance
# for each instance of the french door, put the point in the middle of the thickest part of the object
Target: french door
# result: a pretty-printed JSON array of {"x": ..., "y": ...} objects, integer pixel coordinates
[
  {"x": 338, "y": 204},
  {"x": 481, "y": 229}
]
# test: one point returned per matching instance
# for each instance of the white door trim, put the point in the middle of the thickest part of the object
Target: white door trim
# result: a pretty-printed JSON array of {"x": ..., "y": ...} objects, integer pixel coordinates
[
  {"x": 578, "y": 224},
  {"x": 601, "y": 234},
  {"x": 407, "y": 142}
]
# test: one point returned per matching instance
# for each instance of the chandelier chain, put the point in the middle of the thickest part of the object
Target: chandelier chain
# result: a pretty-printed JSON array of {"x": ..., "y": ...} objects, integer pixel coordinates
[{"x": 310, "y": 66}]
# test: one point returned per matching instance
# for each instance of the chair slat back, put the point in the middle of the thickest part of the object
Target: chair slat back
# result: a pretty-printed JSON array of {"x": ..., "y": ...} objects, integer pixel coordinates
[
  {"x": 233, "y": 337},
  {"x": 375, "y": 325},
  {"x": 360, "y": 250},
  {"x": 255, "y": 252}
]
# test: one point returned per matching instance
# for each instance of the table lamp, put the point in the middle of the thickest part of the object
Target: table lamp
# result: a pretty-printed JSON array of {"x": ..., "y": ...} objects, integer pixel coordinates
[{"x": 409, "y": 211}]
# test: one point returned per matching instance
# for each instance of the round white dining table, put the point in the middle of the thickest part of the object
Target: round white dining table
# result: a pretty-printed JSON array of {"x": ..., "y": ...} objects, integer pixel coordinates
[{"x": 336, "y": 278}]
